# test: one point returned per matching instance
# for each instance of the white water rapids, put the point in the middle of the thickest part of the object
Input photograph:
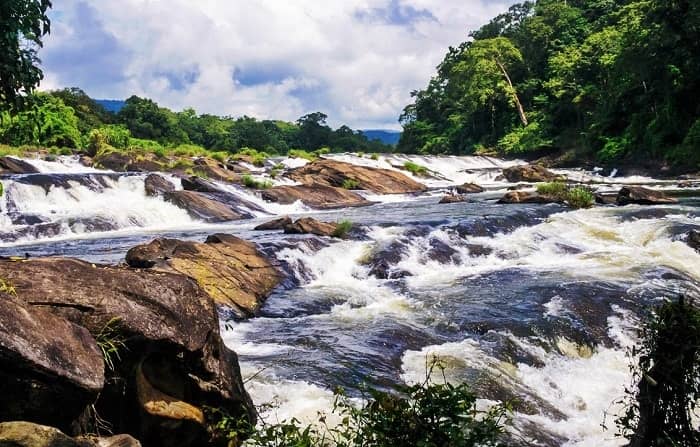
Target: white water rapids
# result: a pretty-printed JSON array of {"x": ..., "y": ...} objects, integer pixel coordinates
[{"x": 532, "y": 302}]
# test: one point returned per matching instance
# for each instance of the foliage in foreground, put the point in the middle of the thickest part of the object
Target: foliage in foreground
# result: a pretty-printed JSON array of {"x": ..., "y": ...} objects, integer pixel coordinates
[
  {"x": 666, "y": 380},
  {"x": 425, "y": 414},
  {"x": 576, "y": 197}
]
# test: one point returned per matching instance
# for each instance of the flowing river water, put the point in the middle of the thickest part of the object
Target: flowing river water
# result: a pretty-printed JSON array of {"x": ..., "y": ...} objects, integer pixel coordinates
[{"x": 534, "y": 304}]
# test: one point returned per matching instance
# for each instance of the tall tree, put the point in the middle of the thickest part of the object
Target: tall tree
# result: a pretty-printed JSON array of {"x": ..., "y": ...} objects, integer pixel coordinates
[{"x": 23, "y": 23}]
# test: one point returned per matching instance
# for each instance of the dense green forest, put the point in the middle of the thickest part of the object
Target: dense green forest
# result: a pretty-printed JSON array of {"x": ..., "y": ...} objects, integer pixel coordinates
[
  {"x": 604, "y": 80},
  {"x": 69, "y": 118}
]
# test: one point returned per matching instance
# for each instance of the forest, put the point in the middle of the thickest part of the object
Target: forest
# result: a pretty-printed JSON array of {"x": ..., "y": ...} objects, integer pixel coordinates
[
  {"x": 68, "y": 118},
  {"x": 605, "y": 81}
]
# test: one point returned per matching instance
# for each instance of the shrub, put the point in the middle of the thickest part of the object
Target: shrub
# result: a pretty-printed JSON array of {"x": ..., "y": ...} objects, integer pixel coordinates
[
  {"x": 415, "y": 168},
  {"x": 300, "y": 153},
  {"x": 374, "y": 156},
  {"x": 249, "y": 182},
  {"x": 557, "y": 189},
  {"x": 613, "y": 149},
  {"x": 220, "y": 156},
  {"x": 257, "y": 158},
  {"x": 425, "y": 414},
  {"x": 342, "y": 228},
  {"x": 111, "y": 341},
  {"x": 580, "y": 197},
  {"x": 577, "y": 197},
  {"x": 666, "y": 388},
  {"x": 349, "y": 183},
  {"x": 190, "y": 150}
]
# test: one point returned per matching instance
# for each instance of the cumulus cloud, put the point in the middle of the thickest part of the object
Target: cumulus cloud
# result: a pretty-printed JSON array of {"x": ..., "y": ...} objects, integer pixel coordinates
[{"x": 356, "y": 60}]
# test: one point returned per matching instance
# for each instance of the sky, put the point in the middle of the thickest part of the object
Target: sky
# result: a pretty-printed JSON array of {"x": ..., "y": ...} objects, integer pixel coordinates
[{"x": 355, "y": 60}]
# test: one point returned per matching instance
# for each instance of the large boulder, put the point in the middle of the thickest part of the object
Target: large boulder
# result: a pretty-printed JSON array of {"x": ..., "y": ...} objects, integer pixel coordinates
[
  {"x": 309, "y": 225},
  {"x": 315, "y": 196},
  {"x": 11, "y": 165},
  {"x": 642, "y": 196},
  {"x": 529, "y": 173},
  {"x": 202, "y": 207},
  {"x": 334, "y": 173},
  {"x": 163, "y": 326},
  {"x": 198, "y": 184},
  {"x": 50, "y": 368},
  {"x": 232, "y": 271},
  {"x": 156, "y": 185}
]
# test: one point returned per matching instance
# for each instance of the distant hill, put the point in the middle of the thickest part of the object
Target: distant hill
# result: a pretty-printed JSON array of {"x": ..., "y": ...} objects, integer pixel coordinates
[
  {"x": 112, "y": 105},
  {"x": 385, "y": 136}
]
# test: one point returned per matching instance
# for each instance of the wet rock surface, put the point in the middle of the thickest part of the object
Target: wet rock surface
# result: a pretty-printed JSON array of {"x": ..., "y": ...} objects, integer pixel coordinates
[
  {"x": 309, "y": 225},
  {"x": 157, "y": 185},
  {"x": 643, "y": 196},
  {"x": 452, "y": 198},
  {"x": 315, "y": 196},
  {"x": 275, "y": 224},
  {"x": 231, "y": 270},
  {"x": 529, "y": 173},
  {"x": 202, "y": 207},
  {"x": 11, "y": 165},
  {"x": 166, "y": 332},
  {"x": 526, "y": 197},
  {"x": 327, "y": 172},
  {"x": 469, "y": 188}
]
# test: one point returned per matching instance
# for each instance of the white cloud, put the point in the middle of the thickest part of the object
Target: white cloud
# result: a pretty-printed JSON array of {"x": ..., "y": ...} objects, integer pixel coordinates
[{"x": 356, "y": 60}]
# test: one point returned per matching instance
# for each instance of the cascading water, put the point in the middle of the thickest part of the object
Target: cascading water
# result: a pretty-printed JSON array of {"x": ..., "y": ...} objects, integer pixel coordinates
[{"x": 532, "y": 303}]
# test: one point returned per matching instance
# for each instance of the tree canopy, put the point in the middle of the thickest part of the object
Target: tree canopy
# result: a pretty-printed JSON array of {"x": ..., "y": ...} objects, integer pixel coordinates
[
  {"x": 23, "y": 23},
  {"x": 607, "y": 80}
]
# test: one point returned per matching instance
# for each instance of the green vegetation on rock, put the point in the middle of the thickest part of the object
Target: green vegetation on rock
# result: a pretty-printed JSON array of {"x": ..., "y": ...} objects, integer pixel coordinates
[{"x": 576, "y": 197}]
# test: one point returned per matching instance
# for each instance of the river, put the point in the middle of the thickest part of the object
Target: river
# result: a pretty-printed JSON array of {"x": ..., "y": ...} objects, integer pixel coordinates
[{"x": 535, "y": 304}]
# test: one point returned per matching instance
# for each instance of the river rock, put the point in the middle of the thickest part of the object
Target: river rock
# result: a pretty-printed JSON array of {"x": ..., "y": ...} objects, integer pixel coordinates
[
  {"x": 642, "y": 196},
  {"x": 309, "y": 225},
  {"x": 315, "y": 196},
  {"x": 50, "y": 369},
  {"x": 27, "y": 434},
  {"x": 216, "y": 171},
  {"x": 693, "y": 240},
  {"x": 121, "y": 162},
  {"x": 275, "y": 224},
  {"x": 334, "y": 173},
  {"x": 168, "y": 325},
  {"x": 11, "y": 165},
  {"x": 452, "y": 198},
  {"x": 529, "y": 173},
  {"x": 156, "y": 185},
  {"x": 526, "y": 197},
  {"x": 198, "y": 184},
  {"x": 232, "y": 271},
  {"x": 201, "y": 207},
  {"x": 469, "y": 188}
]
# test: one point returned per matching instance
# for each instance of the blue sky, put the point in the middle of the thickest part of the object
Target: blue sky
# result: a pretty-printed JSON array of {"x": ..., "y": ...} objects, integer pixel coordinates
[{"x": 356, "y": 60}]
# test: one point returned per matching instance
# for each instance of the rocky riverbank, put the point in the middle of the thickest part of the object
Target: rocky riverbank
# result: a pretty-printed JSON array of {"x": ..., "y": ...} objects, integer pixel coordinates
[{"x": 91, "y": 348}]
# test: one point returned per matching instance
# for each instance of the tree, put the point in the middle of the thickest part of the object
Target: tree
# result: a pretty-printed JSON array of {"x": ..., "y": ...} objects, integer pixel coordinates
[{"x": 23, "y": 23}]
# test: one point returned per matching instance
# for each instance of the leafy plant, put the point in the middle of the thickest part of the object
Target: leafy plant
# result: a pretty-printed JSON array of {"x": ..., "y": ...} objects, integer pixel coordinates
[
  {"x": 374, "y": 156},
  {"x": 342, "y": 228},
  {"x": 580, "y": 197},
  {"x": 576, "y": 197},
  {"x": 415, "y": 168},
  {"x": 111, "y": 341},
  {"x": 249, "y": 182},
  {"x": 349, "y": 183},
  {"x": 299, "y": 153},
  {"x": 666, "y": 380}
]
